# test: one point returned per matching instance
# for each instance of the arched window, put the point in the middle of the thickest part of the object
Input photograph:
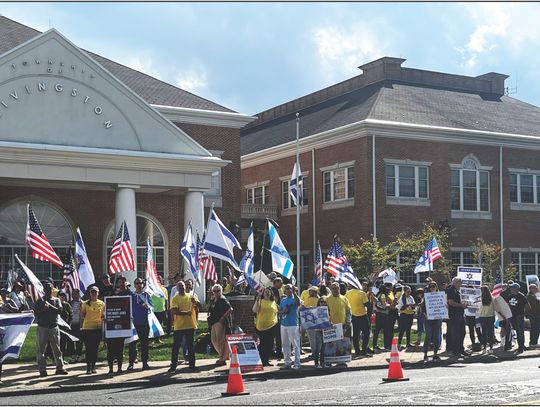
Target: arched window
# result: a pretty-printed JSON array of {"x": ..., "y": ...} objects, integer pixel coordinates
[
  {"x": 146, "y": 228},
  {"x": 13, "y": 220},
  {"x": 470, "y": 186}
]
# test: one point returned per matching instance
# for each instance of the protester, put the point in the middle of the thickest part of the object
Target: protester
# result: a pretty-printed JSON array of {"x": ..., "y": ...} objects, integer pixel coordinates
[
  {"x": 290, "y": 336},
  {"x": 18, "y": 295},
  {"x": 339, "y": 309},
  {"x": 160, "y": 307},
  {"x": 265, "y": 309},
  {"x": 173, "y": 280},
  {"x": 533, "y": 313},
  {"x": 456, "y": 323},
  {"x": 54, "y": 290},
  {"x": 433, "y": 327},
  {"x": 471, "y": 315},
  {"x": 277, "y": 292},
  {"x": 311, "y": 301},
  {"x": 115, "y": 346},
  {"x": 67, "y": 316},
  {"x": 318, "y": 343},
  {"x": 7, "y": 303},
  {"x": 75, "y": 347},
  {"x": 106, "y": 289},
  {"x": 381, "y": 316},
  {"x": 46, "y": 310},
  {"x": 420, "y": 315},
  {"x": 392, "y": 297},
  {"x": 141, "y": 306},
  {"x": 406, "y": 306},
  {"x": 219, "y": 310},
  {"x": 487, "y": 319},
  {"x": 93, "y": 313},
  {"x": 227, "y": 286},
  {"x": 517, "y": 302}
]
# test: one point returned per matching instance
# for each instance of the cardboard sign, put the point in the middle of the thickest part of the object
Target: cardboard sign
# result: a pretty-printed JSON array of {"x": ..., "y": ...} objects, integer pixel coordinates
[
  {"x": 338, "y": 351},
  {"x": 333, "y": 334},
  {"x": 436, "y": 305},
  {"x": 471, "y": 296},
  {"x": 118, "y": 317},
  {"x": 315, "y": 318},
  {"x": 248, "y": 354},
  {"x": 471, "y": 276}
]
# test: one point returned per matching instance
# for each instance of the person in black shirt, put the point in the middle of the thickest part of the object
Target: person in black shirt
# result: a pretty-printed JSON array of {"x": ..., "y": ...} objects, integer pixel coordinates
[
  {"x": 106, "y": 289},
  {"x": 456, "y": 322},
  {"x": 517, "y": 302}
]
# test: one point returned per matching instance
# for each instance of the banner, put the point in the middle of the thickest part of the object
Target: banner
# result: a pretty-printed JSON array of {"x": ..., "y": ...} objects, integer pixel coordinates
[
  {"x": 338, "y": 351},
  {"x": 248, "y": 355},
  {"x": 471, "y": 296},
  {"x": 315, "y": 318},
  {"x": 471, "y": 276},
  {"x": 13, "y": 330},
  {"x": 334, "y": 333},
  {"x": 436, "y": 305},
  {"x": 118, "y": 317}
]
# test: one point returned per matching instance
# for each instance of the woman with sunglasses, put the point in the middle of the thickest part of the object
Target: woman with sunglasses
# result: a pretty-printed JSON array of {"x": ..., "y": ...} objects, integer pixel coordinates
[
  {"x": 432, "y": 326},
  {"x": 141, "y": 305},
  {"x": 92, "y": 312},
  {"x": 219, "y": 310}
]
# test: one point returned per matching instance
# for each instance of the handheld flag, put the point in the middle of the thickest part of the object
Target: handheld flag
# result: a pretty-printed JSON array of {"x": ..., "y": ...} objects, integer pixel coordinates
[
  {"x": 122, "y": 252},
  {"x": 220, "y": 242},
  {"x": 281, "y": 261},
  {"x": 36, "y": 239},
  {"x": 337, "y": 264},
  {"x": 296, "y": 184},
  {"x": 432, "y": 253},
  {"x": 497, "y": 288},
  {"x": 34, "y": 285},
  {"x": 13, "y": 331},
  {"x": 246, "y": 264},
  {"x": 71, "y": 275},
  {"x": 153, "y": 286},
  {"x": 189, "y": 252},
  {"x": 86, "y": 274}
]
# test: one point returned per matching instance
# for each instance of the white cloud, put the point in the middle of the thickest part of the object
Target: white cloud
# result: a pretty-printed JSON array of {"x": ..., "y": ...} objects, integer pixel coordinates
[
  {"x": 145, "y": 65},
  {"x": 193, "y": 79}
]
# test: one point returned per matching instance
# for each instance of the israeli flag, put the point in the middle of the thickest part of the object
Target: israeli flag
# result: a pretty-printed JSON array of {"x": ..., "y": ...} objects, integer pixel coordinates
[
  {"x": 220, "y": 242},
  {"x": 246, "y": 264},
  {"x": 281, "y": 261},
  {"x": 189, "y": 252},
  {"x": 86, "y": 274},
  {"x": 295, "y": 185},
  {"x": 156, "y": 330},
  {"x": 13, "y": 331}
]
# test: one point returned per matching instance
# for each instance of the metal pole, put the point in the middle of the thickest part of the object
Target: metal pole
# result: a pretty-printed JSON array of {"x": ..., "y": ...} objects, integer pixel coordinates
[
  {"x": 298, "y": 201},
  {"x": 501, "y": 204}
]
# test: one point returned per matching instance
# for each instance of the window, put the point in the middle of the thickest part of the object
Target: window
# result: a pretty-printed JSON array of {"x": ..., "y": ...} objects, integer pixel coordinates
[
  {"x": 215, "y": 186},
  {"x": 258, "y": 195},
  {"x": 525, "y": 188},
  {"x": 463, "y": 259},
  {"x": 286, "y": 198},
  {"x": 406, "y": 181},
  {"x": 526, "y": 263},
  {"x": 470, "y": 187},
  {"x": 338, "y": 184}
]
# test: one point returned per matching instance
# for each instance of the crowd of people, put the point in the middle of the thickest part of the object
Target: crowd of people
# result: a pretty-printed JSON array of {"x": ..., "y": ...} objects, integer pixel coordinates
[{"x": 378, "y": 309}]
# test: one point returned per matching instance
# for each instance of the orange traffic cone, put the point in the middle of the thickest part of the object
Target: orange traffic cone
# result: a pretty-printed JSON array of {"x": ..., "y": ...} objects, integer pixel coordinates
[
  {"x": 395, "y": 372},
  {"x": 235, "y": 385}
]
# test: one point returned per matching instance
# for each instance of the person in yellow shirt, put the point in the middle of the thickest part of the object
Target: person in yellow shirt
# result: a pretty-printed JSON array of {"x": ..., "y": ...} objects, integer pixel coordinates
[
  {"x": 339, "y": 309},
  {"x": 305, "y": 294},
  {"x": 265, "y": 309},
  {"x": 406, "y": 306},
  {"x": 93, "y": 313},
  {"x": 309, "y": 302},
  {"x": 359, "y": 302},
  {"x": 183, "y": 325}
]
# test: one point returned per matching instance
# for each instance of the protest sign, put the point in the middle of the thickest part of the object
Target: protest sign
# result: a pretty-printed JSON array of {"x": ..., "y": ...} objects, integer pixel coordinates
[
  {"x": 471, "y": 276},
  {"x": 333, "y": 334},
  {"x": 338, "y": 351},
  {"x": 471, "y": 296},
  {"x": 248, "y": 355},
  {"x": 436, "y": 306},
  {"x": 315, "y": 318},
  {"x": 118, "y": 317}
]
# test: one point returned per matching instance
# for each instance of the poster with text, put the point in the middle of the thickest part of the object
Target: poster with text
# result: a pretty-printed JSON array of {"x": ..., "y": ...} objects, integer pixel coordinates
[
  {"x": 436, "y": 305},
  {"x": 471, "y": 296},
  {"x": 248, "y": 354},
  {"x": 334, "y": 333},
  {"x": 470, "y": 276},
  {"x": 118, "y": 317},
  {"x": 338, "y": 351}
]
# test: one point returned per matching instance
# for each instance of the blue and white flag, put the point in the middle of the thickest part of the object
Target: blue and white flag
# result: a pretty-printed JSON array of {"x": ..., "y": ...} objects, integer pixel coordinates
[
  {"x": 246, "y": 264},
  {"x": 295, "y": 185},
  {"x": 153, "y": 285},
  {"x": 431, "y": 253},
  {"x": 156, "y": 330},
  {"x": 13, "y": 331},
  {"x": 220, "y": 242},
  {"x": 189, "y": 252},
  {"x": 86, "y": 274},
  {"x": 281, "y": 261}
]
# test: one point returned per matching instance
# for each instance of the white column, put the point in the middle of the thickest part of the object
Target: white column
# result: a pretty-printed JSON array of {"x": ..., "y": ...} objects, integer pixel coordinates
[
  {"x": 126, "y": 210},
  {"x": 194, "y": 212}
]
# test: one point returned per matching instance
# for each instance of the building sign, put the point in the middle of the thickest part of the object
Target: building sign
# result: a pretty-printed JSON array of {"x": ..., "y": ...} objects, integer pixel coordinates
[{"x": 118, "y": 317}]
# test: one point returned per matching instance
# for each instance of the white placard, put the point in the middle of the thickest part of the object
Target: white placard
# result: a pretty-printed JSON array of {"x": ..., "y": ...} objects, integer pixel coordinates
[
  {"x": 471, "y": 296},
  {"x": 471, "y": 276},
  {"x": 333, "y": 334},
  {"x": 436, "y": 305}
]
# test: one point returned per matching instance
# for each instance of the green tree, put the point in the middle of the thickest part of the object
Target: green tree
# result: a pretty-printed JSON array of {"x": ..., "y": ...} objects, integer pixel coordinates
[
  {"x": 367, "y": 257},
  {"x": 510, "y": 272},
  {"x": 487, "y": 256}
]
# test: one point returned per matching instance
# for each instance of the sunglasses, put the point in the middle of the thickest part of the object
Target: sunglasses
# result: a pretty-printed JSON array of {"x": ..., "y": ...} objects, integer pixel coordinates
[{"x": 138, "y": 282}]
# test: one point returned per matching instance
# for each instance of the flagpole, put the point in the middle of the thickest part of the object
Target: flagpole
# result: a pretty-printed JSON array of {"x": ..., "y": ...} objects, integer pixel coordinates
[{"x": 299, "y": 197}]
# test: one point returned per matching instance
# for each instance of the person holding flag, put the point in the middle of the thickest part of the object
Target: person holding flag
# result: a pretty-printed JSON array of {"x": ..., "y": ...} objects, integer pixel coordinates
[
  {"x": 189, "y": 252},
  {"x": 155, "y": 288},
  {"x": 86, "y": 274},
  {"x": 141, "y": 306}
]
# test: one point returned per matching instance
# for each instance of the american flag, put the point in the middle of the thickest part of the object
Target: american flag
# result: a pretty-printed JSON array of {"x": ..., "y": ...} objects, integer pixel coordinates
[
  {"x": 121, "y": 253},
  {"x": 36, "y": 239},
  {"x": 497, "y": 288},
  {"x": 33, "y": 285},
  {"x": 205, "y": 263},
  {"x": 153, "y": 285},
  {"x": 431, "y": 253},
  {"x": 338, "y": 265},
  {"x": 318, "y": 263},
  {"x": 71, "y": 275}
]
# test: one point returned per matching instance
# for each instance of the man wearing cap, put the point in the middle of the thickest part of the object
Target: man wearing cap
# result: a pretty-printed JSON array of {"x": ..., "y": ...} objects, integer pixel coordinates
[
  {"x": 290, "y": 335},
  {"x": 46, "y": 310},
  {"x": 517, "y": 302},
  {"x": 17, "y": 295},
  {"x": 106, "y": 289}
]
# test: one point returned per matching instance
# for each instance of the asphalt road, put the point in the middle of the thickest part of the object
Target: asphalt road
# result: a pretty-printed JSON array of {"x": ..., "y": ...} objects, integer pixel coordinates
[{"x": 501, "y": 383}]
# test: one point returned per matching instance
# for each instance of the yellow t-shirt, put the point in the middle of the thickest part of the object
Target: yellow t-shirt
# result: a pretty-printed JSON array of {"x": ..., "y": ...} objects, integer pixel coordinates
[
  {"x": 267, "y": 315},
  {"x": 183, "y": 303},
  {"x": 304, "y": 295},
  {"x": 357, "y": 299},
  {"x": 390, "y": 300},
  {"x": 194, "y": 312},
  {"x": 337, "y": 308},
  {"x": 93, "y": 313},
  {"x": 311, "y": 301},
  {"x": 227, "y": 289}
]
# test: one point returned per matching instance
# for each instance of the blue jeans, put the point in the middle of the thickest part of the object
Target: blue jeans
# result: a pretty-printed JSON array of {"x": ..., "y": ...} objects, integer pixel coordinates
[
  {"x": 535, "y": 330},
  {"x": 433, "y": 328}
]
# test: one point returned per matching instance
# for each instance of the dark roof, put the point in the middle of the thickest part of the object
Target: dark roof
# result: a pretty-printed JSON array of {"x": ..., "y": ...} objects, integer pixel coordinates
[
  {"x": 399, "y": 102},
  {"x": 152, "y": 90}
]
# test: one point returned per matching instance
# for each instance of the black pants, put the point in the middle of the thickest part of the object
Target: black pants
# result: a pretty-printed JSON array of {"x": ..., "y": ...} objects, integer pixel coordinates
[
  {"x": 488, "y": 331},
  {"x": 92, "y": 338},
  {"x": 142, "y": 333},
  {"x": 381, "y": 323},
  {"x": 405, "y": 325},
  {"x": 266, "y": 343},
  {"x": 360, "y": 325},
  {"x": 277, "y": 333},
  {"x": 432, "y": 328},
  {"x": 471, "y": 324},
  {"x": 177, "y": 342},
  {"x": 115, "y": 351},
  {"x": 518, "y": 323},
  {"x": 456, "y": 325},
  {"x": 75, "y": 348}
]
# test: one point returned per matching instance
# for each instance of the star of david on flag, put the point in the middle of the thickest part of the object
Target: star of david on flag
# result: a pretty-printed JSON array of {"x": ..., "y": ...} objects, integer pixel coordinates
[{"x": 431, "y": 253}]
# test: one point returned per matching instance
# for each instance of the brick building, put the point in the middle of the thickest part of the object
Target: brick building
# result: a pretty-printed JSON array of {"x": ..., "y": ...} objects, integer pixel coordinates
[
  {"x": 393, "y": 147},
  {"x": 90, "y": 142}
]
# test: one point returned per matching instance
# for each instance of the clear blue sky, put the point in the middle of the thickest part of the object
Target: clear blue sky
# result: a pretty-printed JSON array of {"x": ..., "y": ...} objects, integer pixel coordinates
[{"x": 253, "y": 56}]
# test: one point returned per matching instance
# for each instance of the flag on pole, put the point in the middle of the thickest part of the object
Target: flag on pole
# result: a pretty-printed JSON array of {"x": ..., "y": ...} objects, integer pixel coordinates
[
  {"x": 220, "y": 242},
  {"x": 71, "y": 279},
  {"x": 34, "y": 286},
  {"x": 189, "y": 252},
  {"x": 86, "y": 274},
  {"x": 13, "y": 331},
  {"x": 122, "y": 252},
  {"x": 153, "y": 286},
  {"x": 206, "y": 265},
  {"x": 296, "y": 184},
  {"x": 246, "y": 264},
  {"x": 497, "y": 288},
  {"x": 432, "y": 253},
  {"x": 38, "y": 242},
  {"x": 318, "y": 264},
  {"x": 337, "y": 264},
  {"x": 281, "y": 261}
]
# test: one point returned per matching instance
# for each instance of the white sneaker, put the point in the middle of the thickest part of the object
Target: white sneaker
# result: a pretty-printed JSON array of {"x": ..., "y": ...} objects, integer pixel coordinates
[
  {"x": 318, "y": 366},
  {"x": 296, "y": 367}
]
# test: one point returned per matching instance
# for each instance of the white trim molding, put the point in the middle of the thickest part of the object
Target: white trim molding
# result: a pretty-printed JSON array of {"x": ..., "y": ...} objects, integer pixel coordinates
[
  {"x": 337, "y": 166},
  {"x": 204, "y": 117},
  {"x": 257, "y": 184},
  {"x": 407, "y": 201},
  {"x": 471, "y": 215},
  {"x": 288, "y": 177},
  {"x": 524, "y": 171},
  {"x": 407, "y": 162},
  {"x": 342, "y": 203}
]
